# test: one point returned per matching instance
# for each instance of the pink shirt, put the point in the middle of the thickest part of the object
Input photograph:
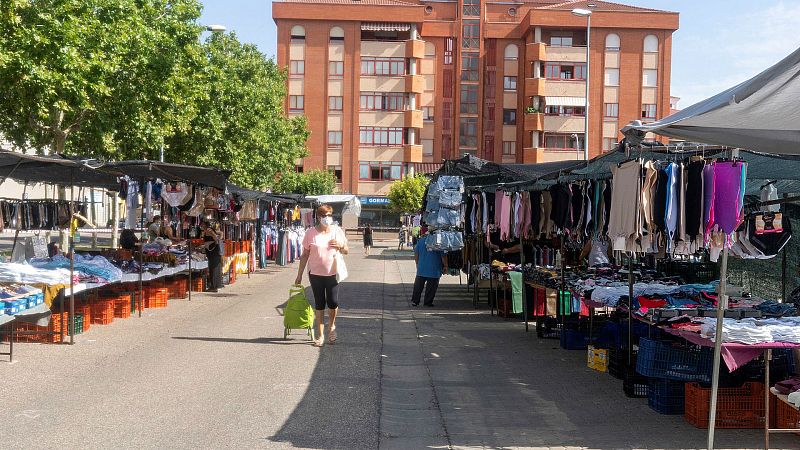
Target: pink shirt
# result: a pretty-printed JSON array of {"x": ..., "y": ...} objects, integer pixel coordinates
[{"x": 321, "y": 255}]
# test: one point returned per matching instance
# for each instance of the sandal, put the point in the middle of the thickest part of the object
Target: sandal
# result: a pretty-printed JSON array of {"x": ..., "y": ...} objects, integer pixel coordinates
[
  {"x": 332, "y": 336},
  {"x": 319, "y": 342}
]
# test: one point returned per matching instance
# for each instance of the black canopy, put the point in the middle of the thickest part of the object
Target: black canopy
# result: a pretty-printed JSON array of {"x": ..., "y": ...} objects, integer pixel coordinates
[
  {"x": 249, "y": 194},
  {"x": 208, "y": 176},
  {"x": 57, "y": 170}
]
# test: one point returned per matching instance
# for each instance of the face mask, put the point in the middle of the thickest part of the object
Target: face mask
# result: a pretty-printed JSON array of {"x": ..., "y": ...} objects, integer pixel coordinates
[{"x": 327, "y": 221}]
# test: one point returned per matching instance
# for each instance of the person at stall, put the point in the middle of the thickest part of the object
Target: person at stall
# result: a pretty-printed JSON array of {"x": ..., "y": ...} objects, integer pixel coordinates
[
  {"x": 596, "y": 252},
  {"x": 320, "y": 246},
  {"x": 154, "y": 229},
  {"x": 367, "y": 238},
  {"x": 128, "y": 239},
  {"x": 212, "y": 249},
  {"x": 166, "y": 231},
  {"x": 430, "y": 267},
  {"x": 504, "y": 251}
]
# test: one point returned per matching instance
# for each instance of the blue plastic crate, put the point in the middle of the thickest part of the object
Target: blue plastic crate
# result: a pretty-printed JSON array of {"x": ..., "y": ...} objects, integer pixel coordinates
[
  {"x": 666, "y": 396},
  {"x": 663, "y": 359},
  {"x": 574, "y": 339}
]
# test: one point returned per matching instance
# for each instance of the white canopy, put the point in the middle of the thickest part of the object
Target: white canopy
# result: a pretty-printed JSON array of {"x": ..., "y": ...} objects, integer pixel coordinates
[
  {"x": 759, "y": 114},
  {"x": 565, "y": 101},
  {"x": 352, "y": 203}
]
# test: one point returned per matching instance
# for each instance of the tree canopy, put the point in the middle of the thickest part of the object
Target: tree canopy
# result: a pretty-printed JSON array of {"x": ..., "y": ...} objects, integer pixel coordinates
[
  {"x": 313, "y": 182},
  {"x": 406, "y": 195},
  {"x": 119, "y": 79}
]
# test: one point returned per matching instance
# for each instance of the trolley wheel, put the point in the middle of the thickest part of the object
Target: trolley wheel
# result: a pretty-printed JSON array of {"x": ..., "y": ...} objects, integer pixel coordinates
[{"x": 285, "y": 333}]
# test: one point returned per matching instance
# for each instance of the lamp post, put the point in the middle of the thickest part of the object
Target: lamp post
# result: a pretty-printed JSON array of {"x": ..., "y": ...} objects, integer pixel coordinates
[{"x": 588, "y": 14}]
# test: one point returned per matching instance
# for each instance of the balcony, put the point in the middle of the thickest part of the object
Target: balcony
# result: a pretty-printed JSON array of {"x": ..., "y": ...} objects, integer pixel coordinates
[
  {"x": 415, "y": 84},
  {"x": 566, "y": 54},
  {"x": 536, "y": 51},
  {"x": 534, "y": 122},
  {"x": 415, "y": 48},
  {"x": 412, "y": 153},
  {"x": 529, "y": 155},
  {"x": 412, "y": 118},
  {"x": 536, "y": 155},
  {"x": 564, "y": 124},
  {"x": 534, "y": 86}
]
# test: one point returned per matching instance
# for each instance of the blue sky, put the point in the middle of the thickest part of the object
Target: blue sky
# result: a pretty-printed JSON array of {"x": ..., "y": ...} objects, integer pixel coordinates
[{"x": 719, "y": 44}]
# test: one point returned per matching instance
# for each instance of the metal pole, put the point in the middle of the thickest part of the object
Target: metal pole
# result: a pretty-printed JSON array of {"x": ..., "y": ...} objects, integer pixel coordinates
[
  {"x": 114, "y": 222},
  {"x": 783, "y": 276},
  {"x": 190, "y": 267},
  {"x": 767, "y": 360},
  {"x": 71, "y": 315},
  {"x": 630, "y": 311},
  {"x": 722, "y": 305},
  {"x": 586, "y": 110},
  {"x": 524, "y": 297}
]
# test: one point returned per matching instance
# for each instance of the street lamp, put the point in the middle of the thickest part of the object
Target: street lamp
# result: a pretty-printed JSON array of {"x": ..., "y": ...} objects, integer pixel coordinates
[{"x": 580, "y": 12}]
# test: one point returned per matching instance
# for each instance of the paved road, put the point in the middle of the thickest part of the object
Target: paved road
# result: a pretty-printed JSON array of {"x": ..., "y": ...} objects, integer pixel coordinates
[{"x": 216, "y": 373}]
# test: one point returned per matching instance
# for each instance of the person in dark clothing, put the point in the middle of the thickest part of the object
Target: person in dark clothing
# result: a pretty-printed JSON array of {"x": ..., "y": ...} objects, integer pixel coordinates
[
  {"x": 430, "y": 266},
  {"x": 214, "y": 257},
  {"x": 505, "y": 251},
  {"x": 367, "y": 238}
]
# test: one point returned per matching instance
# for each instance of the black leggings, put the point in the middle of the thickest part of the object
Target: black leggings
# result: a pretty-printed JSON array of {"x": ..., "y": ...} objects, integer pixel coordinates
[{"x": 326, "y": 291}]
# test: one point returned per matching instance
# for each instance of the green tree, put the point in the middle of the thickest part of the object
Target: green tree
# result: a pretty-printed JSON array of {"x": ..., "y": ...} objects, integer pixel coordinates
[
  {"x": 313, "y": 182},
  {"x": 242, "y": 126},
  {"x": 106, "y": 78},
  {"x": 405, "y": 196}
]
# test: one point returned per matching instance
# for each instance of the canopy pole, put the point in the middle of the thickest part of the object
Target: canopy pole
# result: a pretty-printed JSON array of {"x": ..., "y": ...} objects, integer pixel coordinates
[
  {"x": 522, "y": 264},
  {"x": 141, "y": 257},
  {"x": 722, "y": 305},
  {"x": 19, "y": 225},
  {"x": 71, "y": 316}
]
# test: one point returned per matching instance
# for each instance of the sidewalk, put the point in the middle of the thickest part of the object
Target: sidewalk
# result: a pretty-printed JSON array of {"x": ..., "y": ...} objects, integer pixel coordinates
[{"x": 216, "y": 373}]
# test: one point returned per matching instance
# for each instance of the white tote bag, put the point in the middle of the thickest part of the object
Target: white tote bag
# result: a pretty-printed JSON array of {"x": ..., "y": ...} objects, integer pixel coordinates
[{"x": 341, "y": 268}]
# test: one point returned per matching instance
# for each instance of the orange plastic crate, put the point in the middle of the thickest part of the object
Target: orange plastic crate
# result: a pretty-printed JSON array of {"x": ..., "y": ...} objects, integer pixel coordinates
[
  {"x": 103, "y": 312},
  {"x": 785, "y": 416},
  {"x": 122, "y": 307},
  {"x": 741, "y": 407},
  {"x": 156, "y": 297},
  {"x": 198, "y": 284},
  {"x": 86, "y": 310}
]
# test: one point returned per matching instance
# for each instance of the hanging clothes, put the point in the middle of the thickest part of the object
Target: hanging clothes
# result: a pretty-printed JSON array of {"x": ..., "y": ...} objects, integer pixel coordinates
[{"x": 623, "y": 226}]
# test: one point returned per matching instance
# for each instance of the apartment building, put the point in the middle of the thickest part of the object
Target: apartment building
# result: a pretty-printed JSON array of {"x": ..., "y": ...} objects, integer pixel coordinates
[{"x": 390, "y": 87}]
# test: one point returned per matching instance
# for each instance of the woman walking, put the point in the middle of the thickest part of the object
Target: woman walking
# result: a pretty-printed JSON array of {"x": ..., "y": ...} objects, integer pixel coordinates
[
  {"x": 320, "y": 245},
  {"x": 367, "y": 238}
]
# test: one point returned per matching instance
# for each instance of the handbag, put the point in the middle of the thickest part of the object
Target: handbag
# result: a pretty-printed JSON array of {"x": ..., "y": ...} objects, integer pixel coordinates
[{"x": 341, "y": 267}]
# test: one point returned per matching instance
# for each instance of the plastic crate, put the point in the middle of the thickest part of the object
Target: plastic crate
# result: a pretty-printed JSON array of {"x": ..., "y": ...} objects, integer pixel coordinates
[
  {"x": 564, "y": 302},
  {"x": 103, "y": 312},
  {"x": 122, "y": 307},
  {"x": 785, "y": 416},
  {"x": 574, "y": 339},
  {"x": 86, "y": 312},
  {"x": 666, "y": 396},
  {"x": 618, "y": 362},
  {"x": 548, "y": 328},
  {"x": 156, "y": 297},
  {"x": 739, "y": 407},
  {"x": 198, "y": 284},
  {"x": 665, "y": 359},
  {"x": 691, "y": 272},
  {"x": 635, "y": 385}
]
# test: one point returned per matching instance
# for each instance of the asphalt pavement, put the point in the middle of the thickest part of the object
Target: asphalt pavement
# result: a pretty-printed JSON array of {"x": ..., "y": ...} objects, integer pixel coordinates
[{"x": 216, "y": 373}]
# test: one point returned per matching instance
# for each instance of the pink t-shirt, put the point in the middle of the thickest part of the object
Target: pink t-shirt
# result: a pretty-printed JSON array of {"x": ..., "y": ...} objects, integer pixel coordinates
[{"x": 321, "y": 255}]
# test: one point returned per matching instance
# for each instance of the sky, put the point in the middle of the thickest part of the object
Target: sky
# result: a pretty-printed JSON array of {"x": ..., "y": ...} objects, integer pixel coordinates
[{"x": 720, "y": 43}]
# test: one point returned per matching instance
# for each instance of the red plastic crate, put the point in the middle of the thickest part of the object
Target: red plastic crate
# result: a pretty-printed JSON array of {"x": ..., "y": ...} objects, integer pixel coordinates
[
  {"x": 741, "y": 407},
  {"x": 785, "y": 416},
  {"x": 156, "y": 297},
  {"x": 198, "y": 284},
  {"x": 122, "y": 307}
]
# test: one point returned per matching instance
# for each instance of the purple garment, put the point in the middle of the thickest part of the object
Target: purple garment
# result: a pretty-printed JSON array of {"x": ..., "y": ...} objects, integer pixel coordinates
[
  {"x": 708, "y": 199},
  {"x": 727, "y": 190}
]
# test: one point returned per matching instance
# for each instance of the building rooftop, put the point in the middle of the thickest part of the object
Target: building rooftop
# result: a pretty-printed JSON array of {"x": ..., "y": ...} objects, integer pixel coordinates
[{"x": 598, "y": 6}]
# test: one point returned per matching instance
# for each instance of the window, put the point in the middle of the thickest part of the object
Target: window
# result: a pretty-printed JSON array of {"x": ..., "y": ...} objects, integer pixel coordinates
[
  {"x": 427, "y": 113},
  {"x": 511, "y": 52},
  {"x": 336, "y": 69},
  {"x": 427, "y": 147},
  {"x": 648, "y": 111},
  {"x": 298, "y": 169},
  {"x": 334, "y": 138},
  {"x": 509, "y": 116},
  {"x": 380, "y": 170},
  {"x": 296, "y": 103},
  {"x": 609, "y": 144},
  {"x": 430, "y": 50},
  {"x": 611, "y": 110},
  {"x": 336, "y": 35},
  {"x": 650, "y": 44},
  {"x": 337, "y": 172},
  {"x": 612, "y": 43},
  {"x": 650, "y": 78},
  {"x": 297, "y": 67},
  {"x": 509, "y": 148},
  {"x": 611, "y": 77},
  {"x": 335, "y": 104},
  {"x": 298, "y": 34},
  {"x": 471, "y": 34},
  {"x": 383, "y": 66},
  {"x": 472, "y": 8},
  {"x": 469, "y": 99},
  {"x": 469, "y": 66},
  {"x": 468, "y": 132},
  {"x": 382, "y": 101},
  {"x": 448, "y": 51},
  {"x": 563, "y": 141},
  {"x": 559, "y": 71},
  {"x": 561, "y": 40},
  {"x": 510, "y": 83},
  {"x": 381, "y": 136},
  {"x": 559, "y": 110}
]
